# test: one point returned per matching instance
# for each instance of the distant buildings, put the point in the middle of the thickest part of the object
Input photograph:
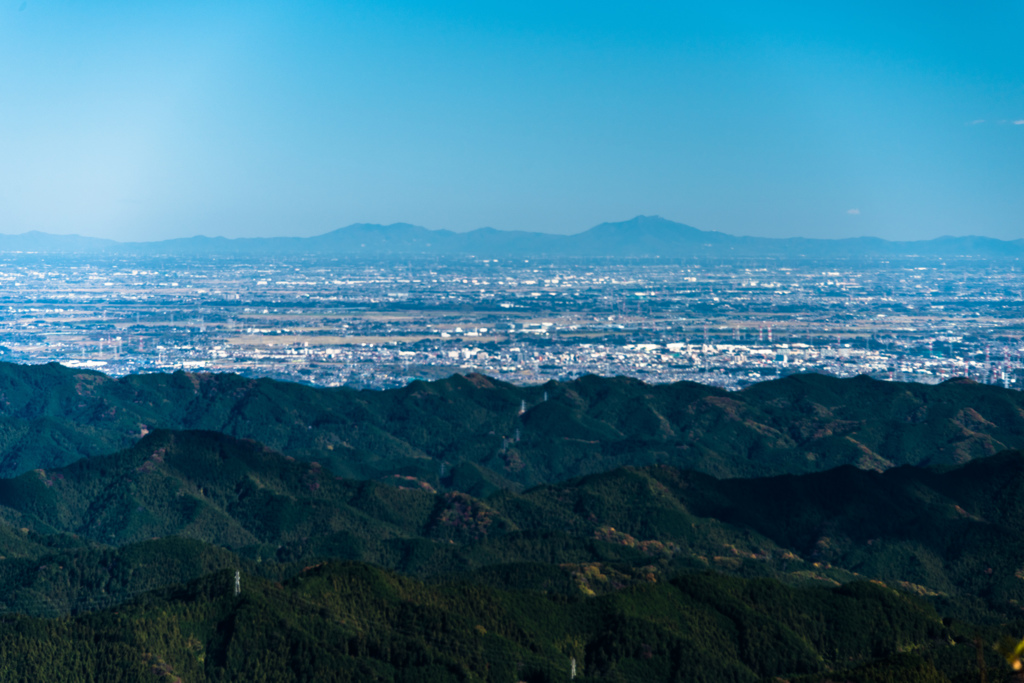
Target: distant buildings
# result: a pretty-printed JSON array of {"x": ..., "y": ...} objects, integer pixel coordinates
[{"x": 377, "y": 324}]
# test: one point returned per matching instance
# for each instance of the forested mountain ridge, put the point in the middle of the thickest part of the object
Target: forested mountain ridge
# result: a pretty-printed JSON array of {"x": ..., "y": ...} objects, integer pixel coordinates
[
  {"x": 954, "y": 536},
  {"x": 486, "y": 434},
  {"x": 549, "y": 522},
  {"x": 242, "y": 496}
]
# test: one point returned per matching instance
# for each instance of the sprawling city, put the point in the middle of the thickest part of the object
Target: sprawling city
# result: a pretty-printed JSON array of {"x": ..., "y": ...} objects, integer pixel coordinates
[{"x": 381, "y": 323}]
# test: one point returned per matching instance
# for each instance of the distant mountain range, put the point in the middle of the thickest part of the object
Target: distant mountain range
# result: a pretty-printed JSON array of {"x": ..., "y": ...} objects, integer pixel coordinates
[{"x": 642, "y": 236}]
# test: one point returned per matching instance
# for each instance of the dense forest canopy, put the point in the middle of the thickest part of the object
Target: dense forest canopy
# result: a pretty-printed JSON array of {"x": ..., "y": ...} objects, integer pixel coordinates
[{"x": 470, "y": 530}]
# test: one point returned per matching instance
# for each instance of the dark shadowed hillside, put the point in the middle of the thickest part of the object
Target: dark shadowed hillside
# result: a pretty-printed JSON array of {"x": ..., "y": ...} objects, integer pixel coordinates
[
  {"x": 468, "y": 433},
  {"x": 346, "y": 622},
  {"x": 613, "y": 566},
  {"x": 955, "y": 536},
  {"x": 244, "y": 497}
]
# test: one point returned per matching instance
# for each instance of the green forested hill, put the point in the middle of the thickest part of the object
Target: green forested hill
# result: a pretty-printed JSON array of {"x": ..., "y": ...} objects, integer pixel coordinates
[
  {"x": 244, "y": 497},
  {"x": 51, "y": 416},
  {"x": 350, "y": 622},
  {"x": 953, "y": 536},
  {"x": 958, "y": 533},
  {"x": 671, "y": 532}
]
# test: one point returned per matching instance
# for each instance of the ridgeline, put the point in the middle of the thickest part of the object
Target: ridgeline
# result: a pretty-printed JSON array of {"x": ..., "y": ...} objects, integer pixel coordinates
[
  {"x": 811, "y": 528},
  {"x": 487, "y": 434}
]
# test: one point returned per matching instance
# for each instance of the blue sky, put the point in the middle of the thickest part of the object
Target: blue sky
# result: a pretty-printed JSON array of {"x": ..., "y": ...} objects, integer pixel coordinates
[{"x": 145, "y": 120}]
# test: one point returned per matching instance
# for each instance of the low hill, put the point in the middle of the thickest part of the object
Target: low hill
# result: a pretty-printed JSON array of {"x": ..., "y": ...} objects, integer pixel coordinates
[
  {"x": 955, "y": 536},
  {"x": 244, "y": 497},
  {"x": 470, "y": 431}
]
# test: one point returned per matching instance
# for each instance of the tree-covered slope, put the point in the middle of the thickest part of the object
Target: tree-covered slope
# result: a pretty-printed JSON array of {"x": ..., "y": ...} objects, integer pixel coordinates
[
  {"x": 953, "y": 535},
  {"x": 350, "y": 622},
  {"x": 956, "y": 534},
  {"x": 240, "y": 495},
  {"x": 610, "y": 568},
  {"x": 473, "y": 431},
  {"x": 514, "y": 504}
]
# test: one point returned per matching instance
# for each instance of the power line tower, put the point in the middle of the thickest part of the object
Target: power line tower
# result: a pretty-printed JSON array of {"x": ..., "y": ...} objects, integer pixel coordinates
[{"x": 238, "y": 583}]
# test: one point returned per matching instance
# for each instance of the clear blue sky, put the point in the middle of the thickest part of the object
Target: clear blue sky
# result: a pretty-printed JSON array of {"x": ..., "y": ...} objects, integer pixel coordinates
[{"x": 145, "y": 120}]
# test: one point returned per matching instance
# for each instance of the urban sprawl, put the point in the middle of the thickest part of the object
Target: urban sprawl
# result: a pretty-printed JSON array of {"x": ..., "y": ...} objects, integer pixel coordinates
[{"x": 382, "y": 323}]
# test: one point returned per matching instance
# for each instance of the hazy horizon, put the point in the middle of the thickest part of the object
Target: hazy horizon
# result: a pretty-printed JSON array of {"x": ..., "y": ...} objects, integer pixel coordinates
[
  {"x": 140, "y": 121},
  {"x": 564, "y": 234}
]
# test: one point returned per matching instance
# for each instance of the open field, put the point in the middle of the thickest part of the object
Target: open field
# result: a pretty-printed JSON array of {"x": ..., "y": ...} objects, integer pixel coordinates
[{"x": 328, "y": 340}]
